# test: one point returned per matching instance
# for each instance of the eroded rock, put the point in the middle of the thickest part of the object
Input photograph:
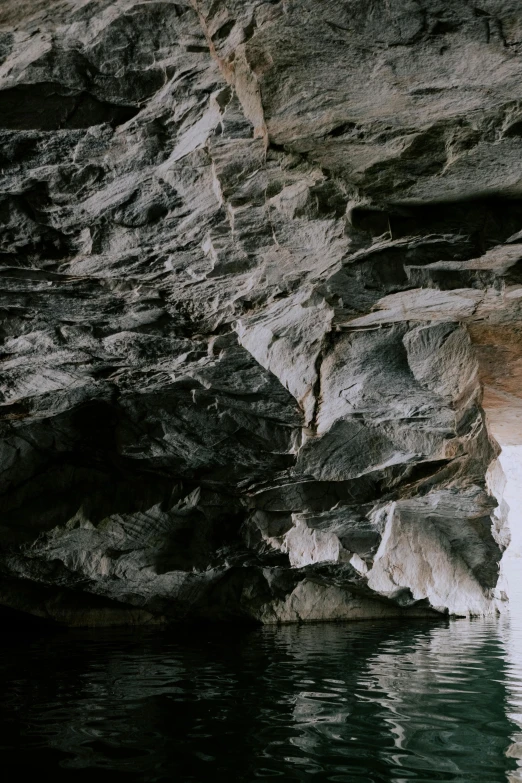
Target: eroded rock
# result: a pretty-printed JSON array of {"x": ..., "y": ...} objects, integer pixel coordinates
[{"x": 257, "y": 262}]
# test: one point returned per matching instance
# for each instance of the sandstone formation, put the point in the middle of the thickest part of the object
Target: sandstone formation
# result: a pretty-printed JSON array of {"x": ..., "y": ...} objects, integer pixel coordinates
[{"x": 261, "y": 270}]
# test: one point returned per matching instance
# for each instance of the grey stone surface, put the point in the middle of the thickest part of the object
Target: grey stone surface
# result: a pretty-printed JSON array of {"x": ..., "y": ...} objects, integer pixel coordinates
[{"x": 258, "y": 262}]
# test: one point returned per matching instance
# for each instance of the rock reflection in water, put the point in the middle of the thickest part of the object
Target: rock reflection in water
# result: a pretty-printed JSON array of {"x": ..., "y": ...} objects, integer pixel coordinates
[
  {"x": 511, "y": 629},
  {"x": 369, "y": 702}
]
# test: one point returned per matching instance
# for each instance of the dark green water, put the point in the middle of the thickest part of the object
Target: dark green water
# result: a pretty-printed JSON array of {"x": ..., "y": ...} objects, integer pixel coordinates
[{"x": 360, "y": 702}]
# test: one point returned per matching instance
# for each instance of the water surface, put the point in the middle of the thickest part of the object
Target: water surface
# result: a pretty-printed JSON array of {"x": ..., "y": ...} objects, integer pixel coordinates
[{"x": 370, "y": 701}]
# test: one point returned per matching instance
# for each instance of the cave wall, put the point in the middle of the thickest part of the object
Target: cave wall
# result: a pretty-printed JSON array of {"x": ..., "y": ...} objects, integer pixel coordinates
[{"x": 258, "y": 263}]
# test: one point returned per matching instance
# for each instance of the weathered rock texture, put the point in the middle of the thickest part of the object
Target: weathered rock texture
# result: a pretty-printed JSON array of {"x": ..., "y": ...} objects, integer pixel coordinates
[{"x": 258, "y": 260}]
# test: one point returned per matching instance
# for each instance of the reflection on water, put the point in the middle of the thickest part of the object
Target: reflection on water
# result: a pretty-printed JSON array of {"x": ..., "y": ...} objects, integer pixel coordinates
[
  {"x": 512, "y": 638},
  {"x": 361, "y": 702}
]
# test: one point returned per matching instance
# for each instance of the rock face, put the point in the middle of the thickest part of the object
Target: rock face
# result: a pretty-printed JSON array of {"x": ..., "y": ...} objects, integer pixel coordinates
[{"x": 258, "y": 262}]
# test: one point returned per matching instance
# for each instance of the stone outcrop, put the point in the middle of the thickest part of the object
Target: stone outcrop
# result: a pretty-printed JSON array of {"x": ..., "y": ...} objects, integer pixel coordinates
[{"x": 260, "y": 272}]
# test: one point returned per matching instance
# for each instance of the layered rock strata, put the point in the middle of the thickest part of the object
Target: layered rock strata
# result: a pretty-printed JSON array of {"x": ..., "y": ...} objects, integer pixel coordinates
[{"x": 258, "y": 262}]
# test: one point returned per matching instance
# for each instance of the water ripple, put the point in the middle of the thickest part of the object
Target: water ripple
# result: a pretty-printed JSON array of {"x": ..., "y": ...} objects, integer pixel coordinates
[{"x": 375, "y": 702}]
